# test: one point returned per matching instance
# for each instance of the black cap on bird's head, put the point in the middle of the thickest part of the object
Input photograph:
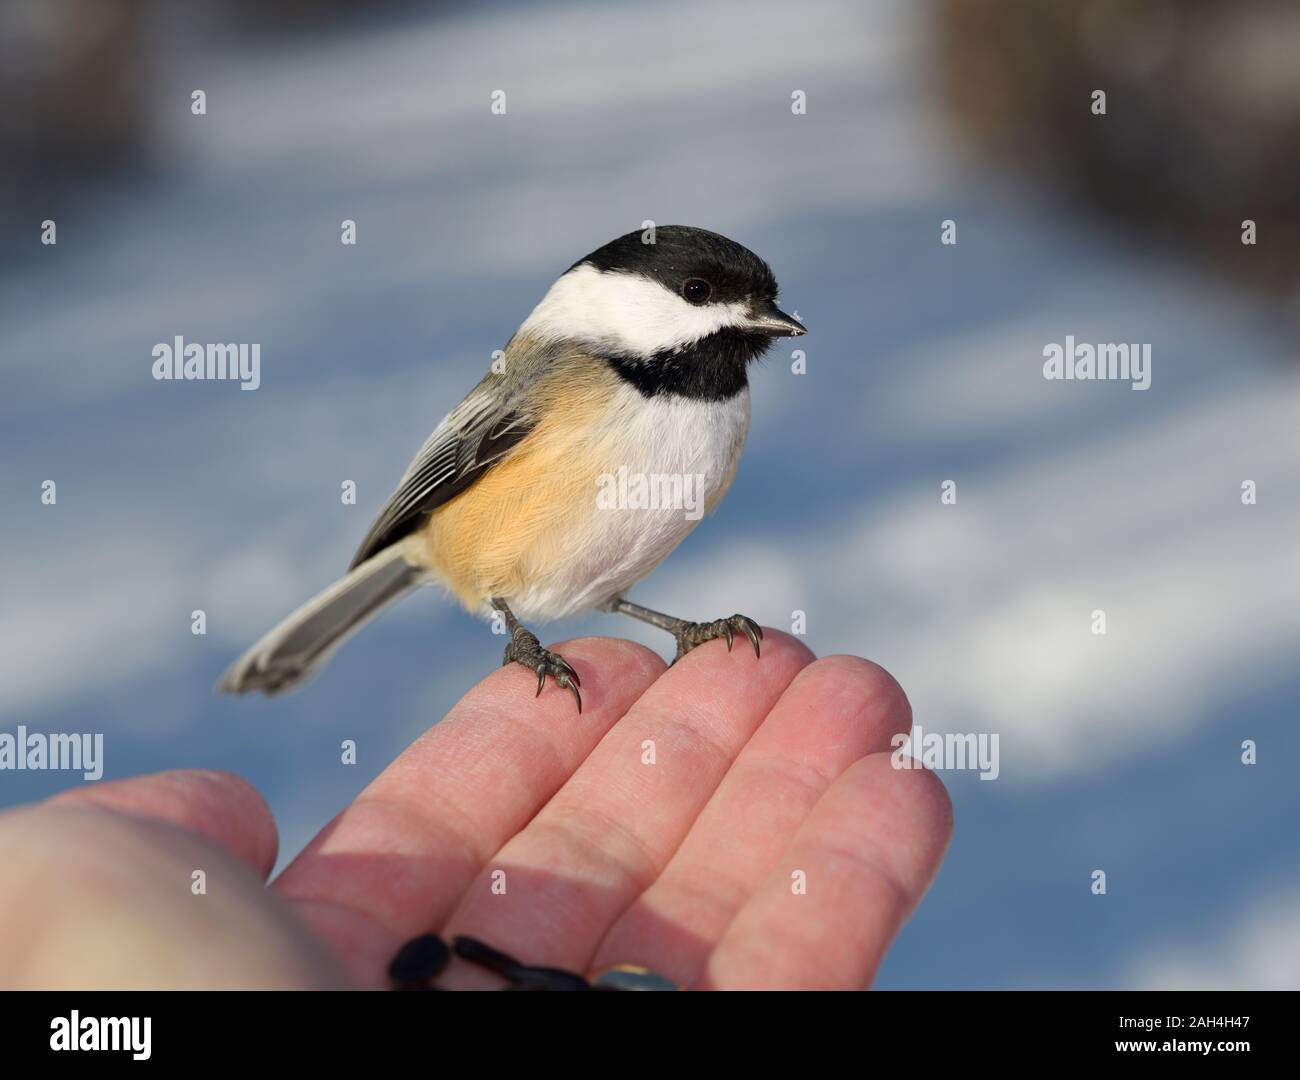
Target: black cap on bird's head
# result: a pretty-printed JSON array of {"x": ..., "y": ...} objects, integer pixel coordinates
[
  {"x": 704, "y": 268},
  {"x": 673, "y": 309}
]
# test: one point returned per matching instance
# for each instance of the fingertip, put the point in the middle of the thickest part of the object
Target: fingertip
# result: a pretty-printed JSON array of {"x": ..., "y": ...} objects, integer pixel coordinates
[
  {"x": 612, "y": 673},
  {"x": 709, "y": 681},
  {"x": 217, "y": 805},
  {"x": 780, "y": 652},
  {"x": 914, "y": 796},
  {"x": 617, "y": 655},
  {"x": 786, "y": 645},
  {"x": 880, "y": 698}
]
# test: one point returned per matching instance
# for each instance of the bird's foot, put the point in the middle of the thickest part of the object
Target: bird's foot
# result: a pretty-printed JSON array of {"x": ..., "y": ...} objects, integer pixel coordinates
[
  {"x": 524, "y": 648},
  {"x": 691, "y": 634}
]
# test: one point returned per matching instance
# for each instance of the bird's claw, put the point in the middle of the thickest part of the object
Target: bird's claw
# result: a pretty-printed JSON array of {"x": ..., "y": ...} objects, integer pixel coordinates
[
  {"x": 525, "y": 649},
  {"x": 691, "y": 634}
]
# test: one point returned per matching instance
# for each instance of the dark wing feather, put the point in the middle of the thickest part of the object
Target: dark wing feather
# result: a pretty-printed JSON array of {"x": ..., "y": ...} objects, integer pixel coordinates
[{"x": 474, "y": 436}]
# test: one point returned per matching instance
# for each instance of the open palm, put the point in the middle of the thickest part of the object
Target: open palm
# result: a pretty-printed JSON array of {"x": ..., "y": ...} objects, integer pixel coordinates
[{"x": 727, "y": 822}]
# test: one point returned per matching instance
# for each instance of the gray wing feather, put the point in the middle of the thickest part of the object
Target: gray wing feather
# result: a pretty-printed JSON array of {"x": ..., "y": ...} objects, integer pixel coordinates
[{"x": 473, "y": 437}]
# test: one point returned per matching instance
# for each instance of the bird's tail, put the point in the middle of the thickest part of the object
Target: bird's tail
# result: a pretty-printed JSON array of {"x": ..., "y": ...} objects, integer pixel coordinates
[{"x": 298, "y": 647}]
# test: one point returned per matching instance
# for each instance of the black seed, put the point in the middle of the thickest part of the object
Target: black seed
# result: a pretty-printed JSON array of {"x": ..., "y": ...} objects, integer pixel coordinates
[
  {"x": 476, "y": 952},
  {"x": 544, "y": 978},
  {"x": 419, "y": 960}
]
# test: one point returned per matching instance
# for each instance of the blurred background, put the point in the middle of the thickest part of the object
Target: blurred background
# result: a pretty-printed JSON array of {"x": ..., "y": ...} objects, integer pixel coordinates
[{"x": 1119, "y": 752}]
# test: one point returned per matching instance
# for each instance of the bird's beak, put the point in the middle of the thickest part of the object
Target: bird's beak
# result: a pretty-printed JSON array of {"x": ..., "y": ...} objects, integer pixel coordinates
[{"x": 767, "y": 318}]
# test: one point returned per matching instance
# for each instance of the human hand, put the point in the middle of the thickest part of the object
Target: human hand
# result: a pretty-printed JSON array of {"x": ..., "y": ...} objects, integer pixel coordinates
[{"x": 671, "y": 824}]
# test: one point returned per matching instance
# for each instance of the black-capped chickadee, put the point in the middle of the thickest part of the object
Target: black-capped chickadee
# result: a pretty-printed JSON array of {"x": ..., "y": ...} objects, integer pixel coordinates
[{"x": 633, "y": 365}]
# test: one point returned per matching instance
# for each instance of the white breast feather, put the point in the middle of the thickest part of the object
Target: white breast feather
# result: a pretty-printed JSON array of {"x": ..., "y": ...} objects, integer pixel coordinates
[{"x": 614, "y": 548}]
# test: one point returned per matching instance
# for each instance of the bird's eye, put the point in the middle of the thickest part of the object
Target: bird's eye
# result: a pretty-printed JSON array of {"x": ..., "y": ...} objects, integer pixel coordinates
[{"x": 696, "y": 290}]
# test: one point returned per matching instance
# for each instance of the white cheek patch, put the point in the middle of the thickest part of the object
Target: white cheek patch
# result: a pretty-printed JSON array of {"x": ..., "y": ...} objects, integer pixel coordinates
[{"x": 625, "y": 312}]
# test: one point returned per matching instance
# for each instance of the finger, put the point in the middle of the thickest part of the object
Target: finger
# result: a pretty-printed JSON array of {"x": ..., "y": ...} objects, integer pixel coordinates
[
  {"x": 614, "y": 826},
  {"x": 97, "y": 898},
  {"x": 865, "y": 856},
  {"x": 836, "y": 711},
  {"x": 394, "y": 863},
  {"x": 219, "y": 806}
]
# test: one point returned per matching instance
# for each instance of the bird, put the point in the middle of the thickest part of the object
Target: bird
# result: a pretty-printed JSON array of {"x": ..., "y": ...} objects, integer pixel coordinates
[{"x": 539, "y": 495}]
